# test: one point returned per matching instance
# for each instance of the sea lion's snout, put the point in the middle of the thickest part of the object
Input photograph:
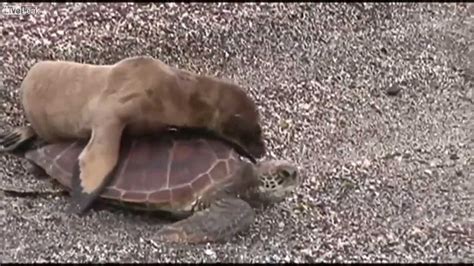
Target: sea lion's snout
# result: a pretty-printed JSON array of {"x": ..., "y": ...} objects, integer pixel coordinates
[
  {"x": 256, "y": 148},
  {"x": 249, "y": 138},
  {"x": 239, "y": 119},
  {"x": 257, "y": 152}
]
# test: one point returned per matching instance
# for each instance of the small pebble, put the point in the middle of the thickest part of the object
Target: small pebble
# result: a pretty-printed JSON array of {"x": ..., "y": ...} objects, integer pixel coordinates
[{"x": 394, "y": 90}]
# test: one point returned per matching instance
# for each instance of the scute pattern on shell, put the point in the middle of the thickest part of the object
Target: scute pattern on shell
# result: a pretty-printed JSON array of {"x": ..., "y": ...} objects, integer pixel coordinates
[{"x": 158, "y": 172}]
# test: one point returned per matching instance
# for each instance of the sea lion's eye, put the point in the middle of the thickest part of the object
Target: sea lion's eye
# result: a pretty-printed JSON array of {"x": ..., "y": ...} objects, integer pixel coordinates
[{"x": 258, "y": 131}]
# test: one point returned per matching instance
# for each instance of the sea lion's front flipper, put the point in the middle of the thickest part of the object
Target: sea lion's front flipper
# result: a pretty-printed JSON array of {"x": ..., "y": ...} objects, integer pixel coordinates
[
  {"x": 96, "y": 165},
  {"x": 222, "y": 220},
  {"x": 13, "y": 140}
]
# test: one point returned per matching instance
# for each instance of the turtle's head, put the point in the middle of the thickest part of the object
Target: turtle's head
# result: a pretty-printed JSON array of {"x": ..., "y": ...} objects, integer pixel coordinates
[{"x": 277, "y": 179}]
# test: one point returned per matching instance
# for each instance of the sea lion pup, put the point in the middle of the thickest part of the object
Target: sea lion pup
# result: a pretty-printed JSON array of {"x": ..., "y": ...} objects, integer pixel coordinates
[{"x": 137, "y": 95}]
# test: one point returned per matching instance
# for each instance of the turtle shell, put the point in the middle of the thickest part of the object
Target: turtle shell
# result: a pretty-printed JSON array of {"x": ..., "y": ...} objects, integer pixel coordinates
[{"x": 166, "y": 172}]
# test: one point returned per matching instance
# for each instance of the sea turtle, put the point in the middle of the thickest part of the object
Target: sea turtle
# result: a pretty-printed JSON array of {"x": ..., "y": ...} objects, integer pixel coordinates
[
  {"x": 202, "y": 180},
  {"x": 137, "y": 95}
]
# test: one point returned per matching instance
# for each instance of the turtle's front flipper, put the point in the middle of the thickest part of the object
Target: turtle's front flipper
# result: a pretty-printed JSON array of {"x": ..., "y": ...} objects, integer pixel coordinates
[
  {"x": 10, "y": 142},
  {"x": 223, "y": 219},
  {"x": 96, "y": 165}
]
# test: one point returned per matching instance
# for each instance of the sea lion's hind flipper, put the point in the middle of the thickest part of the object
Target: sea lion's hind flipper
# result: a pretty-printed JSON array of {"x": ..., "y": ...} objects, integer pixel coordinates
[
  {"x": 95, "y": 166},
  {"x": 17, "y": 140}
]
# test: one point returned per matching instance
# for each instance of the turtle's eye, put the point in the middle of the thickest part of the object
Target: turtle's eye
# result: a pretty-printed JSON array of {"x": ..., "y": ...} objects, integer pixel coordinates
[
  {"x": 288, "y": 174},
  {"x": 285, "y": 174}
]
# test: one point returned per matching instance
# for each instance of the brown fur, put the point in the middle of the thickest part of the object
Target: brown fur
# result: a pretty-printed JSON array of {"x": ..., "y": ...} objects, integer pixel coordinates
[
  {"x": 65, "y": 99},
  {"x": 138, "y": 95}
]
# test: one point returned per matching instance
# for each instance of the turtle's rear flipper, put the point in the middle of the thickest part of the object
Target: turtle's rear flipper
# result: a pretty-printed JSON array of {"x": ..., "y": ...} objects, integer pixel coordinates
[
  {"x": 222, "y": 220},
  {"x": 36, "y": 170},
  {"x": 18, "y": 138}
]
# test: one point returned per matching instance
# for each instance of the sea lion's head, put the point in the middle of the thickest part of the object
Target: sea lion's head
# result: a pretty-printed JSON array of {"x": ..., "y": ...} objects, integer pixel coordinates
[
  {"x": 239, "y": 119},
  {"x": 226, "y": 109}
]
